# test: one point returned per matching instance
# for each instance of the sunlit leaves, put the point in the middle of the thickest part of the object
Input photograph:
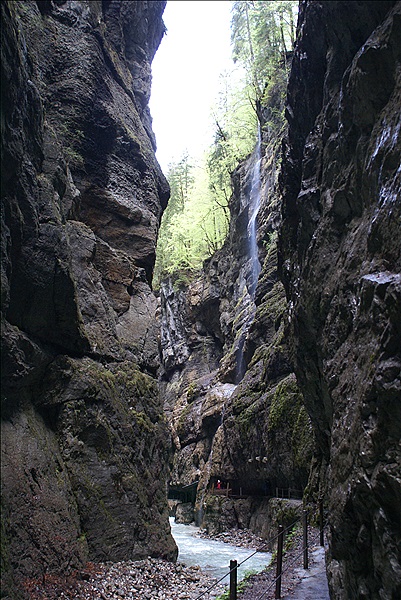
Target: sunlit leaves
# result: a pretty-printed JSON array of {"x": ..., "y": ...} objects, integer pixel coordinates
[
  {"x": 262, "y": 33},
  {"x": 196, "y": 220}
]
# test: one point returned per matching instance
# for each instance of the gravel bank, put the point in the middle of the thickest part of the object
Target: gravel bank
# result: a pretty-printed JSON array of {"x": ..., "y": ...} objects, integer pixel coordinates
[
  {"x": 243, "y": 538},
  {"x": 155, "y": 579},
  {"x": 150, "y": 579}
]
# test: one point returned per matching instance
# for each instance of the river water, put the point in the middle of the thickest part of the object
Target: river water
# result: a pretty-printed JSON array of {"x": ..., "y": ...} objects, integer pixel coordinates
[{"x": 213, "y": 556}]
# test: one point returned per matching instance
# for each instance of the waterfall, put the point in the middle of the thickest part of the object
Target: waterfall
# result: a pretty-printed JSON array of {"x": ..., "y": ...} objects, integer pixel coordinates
[
  {"x": 252, "y": 265},
  {"x": 253, "y": 209}
]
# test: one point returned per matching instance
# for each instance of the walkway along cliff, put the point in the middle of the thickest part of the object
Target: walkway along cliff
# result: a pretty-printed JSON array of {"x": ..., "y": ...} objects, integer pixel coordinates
[{"x": 85, "y": 444}]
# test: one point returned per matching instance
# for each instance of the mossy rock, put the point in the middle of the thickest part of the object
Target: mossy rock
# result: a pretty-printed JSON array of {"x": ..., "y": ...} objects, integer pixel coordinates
[{"x": 285, "y": 404}]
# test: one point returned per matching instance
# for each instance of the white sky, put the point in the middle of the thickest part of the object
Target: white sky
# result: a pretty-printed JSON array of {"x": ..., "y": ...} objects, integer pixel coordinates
[{"x": 186, "y": 69}]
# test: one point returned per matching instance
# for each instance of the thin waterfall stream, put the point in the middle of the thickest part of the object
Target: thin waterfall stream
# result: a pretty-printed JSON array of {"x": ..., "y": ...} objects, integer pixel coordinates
[
  {"x": 253, "y": 266},
  {"x": 254, "y": 205},
  {"x": 213, "y": 556}
]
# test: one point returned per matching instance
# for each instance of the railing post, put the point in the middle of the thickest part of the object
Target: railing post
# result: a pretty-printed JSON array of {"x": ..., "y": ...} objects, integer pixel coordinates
[
  {"x": 233, "y": 580},
  {"x": 305, "y": 537},
  {"x": 321, "y": 522},
  {"x": 280, "y": 544}
]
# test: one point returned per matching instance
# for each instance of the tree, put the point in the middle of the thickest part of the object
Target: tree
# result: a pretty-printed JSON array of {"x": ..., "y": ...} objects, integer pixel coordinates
[
  {"x": 172, "y": 246},
  {"x": 262, "y": 34},
  {"x": 195, "y": 223}
]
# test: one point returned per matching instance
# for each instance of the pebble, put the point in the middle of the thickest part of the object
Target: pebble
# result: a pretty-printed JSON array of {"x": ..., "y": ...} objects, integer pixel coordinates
[
  {"x": 151, "y": 579},
  {"x": 243, "y": 538}
]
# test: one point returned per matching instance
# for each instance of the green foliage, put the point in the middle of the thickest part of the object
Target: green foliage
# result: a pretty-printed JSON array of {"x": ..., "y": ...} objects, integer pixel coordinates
[
  {"x": 195, "y": 223},
  {"x": 236, "y": 126},
  {"x": 241, "y": 586},
  {"x": 262, "y": 33},
  {"x": 285, "y": 404},
  {"x": 287, "y": 407},
  {"x": 302, "y": 439}
]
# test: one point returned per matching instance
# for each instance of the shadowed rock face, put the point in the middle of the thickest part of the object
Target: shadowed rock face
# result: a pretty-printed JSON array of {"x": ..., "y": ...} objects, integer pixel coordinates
[
  {"x": 340, "y": 262},
  {"x": 254, "y": 433},
  {"x": 84, "y": 442}
]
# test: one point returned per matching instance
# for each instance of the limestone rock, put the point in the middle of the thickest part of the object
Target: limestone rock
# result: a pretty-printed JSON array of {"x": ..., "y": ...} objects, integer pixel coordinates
[
  {"x": 340, "y": 262},
  {"x": 84, "y": 440},
  {"x": 184, "y": 513},
  {"x": 228, "y": 387}
]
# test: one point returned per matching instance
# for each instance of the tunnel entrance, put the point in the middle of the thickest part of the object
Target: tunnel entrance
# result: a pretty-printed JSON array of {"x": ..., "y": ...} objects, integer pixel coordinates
[{"x": 184, "y": 493}]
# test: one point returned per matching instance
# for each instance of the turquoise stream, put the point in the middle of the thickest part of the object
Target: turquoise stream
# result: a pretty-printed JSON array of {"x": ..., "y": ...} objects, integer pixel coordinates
[{"x": 213, "y": 556}]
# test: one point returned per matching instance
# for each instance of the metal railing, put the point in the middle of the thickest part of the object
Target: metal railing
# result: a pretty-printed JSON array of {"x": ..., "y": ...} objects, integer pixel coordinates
[
  {"x": 279, "y": 574},
  {"x": 234, "y": 565},
  {"x": 289, "y": 493}
]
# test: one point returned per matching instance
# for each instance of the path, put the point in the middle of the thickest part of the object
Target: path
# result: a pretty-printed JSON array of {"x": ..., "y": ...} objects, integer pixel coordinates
[
  {"x": 297, "y": 583},
  {"x": 312, "y": 584}
]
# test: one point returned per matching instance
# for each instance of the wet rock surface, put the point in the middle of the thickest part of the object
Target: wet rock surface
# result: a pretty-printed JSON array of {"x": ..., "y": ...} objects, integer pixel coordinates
[
  {"x": 228, "y": 387},
  {"x": 340, "y": 262},
  {"x": 84, "y": 442}
]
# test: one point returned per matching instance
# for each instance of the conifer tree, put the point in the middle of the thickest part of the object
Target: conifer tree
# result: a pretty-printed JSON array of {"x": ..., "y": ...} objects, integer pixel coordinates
[{"x": 196, "y": 220}]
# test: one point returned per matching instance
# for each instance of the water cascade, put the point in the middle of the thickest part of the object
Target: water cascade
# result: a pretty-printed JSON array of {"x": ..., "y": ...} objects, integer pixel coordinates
[
  {"x": 252, "y": 265},
  {"x": 254, "y": 205}
]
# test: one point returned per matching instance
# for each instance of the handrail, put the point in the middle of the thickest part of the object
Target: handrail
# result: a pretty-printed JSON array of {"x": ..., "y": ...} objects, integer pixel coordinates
[
  {"x": 287, "y": 566},
  {"x": 268, "y": 543}
]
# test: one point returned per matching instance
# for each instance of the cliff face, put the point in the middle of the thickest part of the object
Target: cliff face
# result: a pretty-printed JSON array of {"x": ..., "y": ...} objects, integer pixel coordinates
[
  {"x": 229, "y": 390},
  {"x": 84, "y": 440},
  {"x": 340, "y": 262}
]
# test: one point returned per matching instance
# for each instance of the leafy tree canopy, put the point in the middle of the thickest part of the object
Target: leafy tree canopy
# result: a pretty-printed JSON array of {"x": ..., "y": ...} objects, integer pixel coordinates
[{"x": 195, "y": 223}]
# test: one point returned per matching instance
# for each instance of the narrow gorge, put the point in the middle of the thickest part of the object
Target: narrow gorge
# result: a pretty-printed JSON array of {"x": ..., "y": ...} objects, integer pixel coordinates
[{"x": 274, "y": 370}]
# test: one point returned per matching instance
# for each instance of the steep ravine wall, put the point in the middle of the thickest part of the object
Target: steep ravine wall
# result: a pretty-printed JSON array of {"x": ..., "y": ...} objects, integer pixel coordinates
[
  {"x": 340, "y": 262},
  {"x": 85, "y": 444},
  {"x": 254, "y": 433}
]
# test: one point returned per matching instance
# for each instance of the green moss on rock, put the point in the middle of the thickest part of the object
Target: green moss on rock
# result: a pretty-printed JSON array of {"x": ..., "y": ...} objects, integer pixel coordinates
[{"x": 285, "y": 404}]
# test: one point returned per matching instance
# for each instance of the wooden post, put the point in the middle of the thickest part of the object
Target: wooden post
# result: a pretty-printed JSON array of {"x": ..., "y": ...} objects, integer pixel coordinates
[
  {"x": 305, "y": 537},
  {"x": 233, "y": 580},
  {"x": 321, "y": 522},
  {"x": 279, "y": 569}
]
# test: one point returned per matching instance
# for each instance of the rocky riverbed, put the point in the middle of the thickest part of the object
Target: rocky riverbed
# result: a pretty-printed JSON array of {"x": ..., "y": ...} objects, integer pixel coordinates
[
  {"x": 150, "y": 579},
  {"x": 155, "y": 579},
  {"x": 146, "y": 579},
  {"x": 243, "y": 538}
]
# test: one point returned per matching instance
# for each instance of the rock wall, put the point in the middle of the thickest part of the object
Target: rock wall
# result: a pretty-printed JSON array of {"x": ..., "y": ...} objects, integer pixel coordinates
[
  {"x": 229, "y": 390},
  {"x": 85, "y": 444},
  {"x": 341, "y": 265}
]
